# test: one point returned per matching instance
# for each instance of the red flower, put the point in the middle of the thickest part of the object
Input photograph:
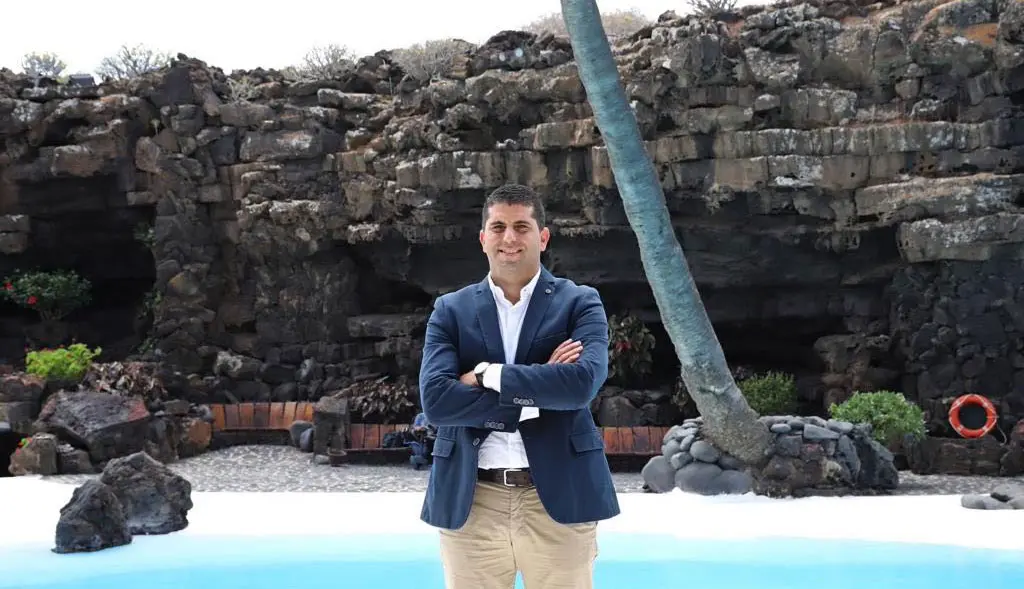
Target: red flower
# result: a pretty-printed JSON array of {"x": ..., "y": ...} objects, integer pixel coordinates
[
  {"x": 8, "y": 286},
  {"x": 32, "y": 300}
]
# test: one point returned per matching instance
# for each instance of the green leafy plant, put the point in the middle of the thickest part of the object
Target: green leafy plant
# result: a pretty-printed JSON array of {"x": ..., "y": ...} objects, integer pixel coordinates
[
  {"x": 70, "y": 363},
  {"x": 51, "y": 294},
  {"x": 383, "y": 400},
  {"x": 890, "y": 414},
  {"x": 630, "y": 344},
  {"x": 773, "y": 393}
]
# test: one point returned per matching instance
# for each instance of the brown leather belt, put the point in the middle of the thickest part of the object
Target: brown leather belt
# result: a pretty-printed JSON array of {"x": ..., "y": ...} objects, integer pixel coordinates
[{"x": 510, "y": 477}]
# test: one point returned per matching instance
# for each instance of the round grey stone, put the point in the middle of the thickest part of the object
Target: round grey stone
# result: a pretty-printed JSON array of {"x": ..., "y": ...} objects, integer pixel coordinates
[
  {"x": 780, "y": 428},
  {"x": 670, "y": 448},
  {"x": 973, "y": 501},
  {"x": 698, "y": 477},
  {"x": 705, "y": 452},
  {"x": 680, "y": 459},
  {"x": 771, "y": 420},
  {"x": 843, "y": 427},
  {"x": 659, "y": 474},
  {"x": 296, "y": 430},
  {"x": 674, "y": 433},
  {"x": 685, "y": 443},
  {"x": 730, "y": 462},
  {"x": 735, "y": 482},
  {"x": 816, "y": 433},
  {"x": 815, "y": 420},
  {"x": 1007, "y": 492}
]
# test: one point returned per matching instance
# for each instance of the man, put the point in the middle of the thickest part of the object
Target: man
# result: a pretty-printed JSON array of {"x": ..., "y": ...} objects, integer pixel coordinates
[{"x": 510, "y": 366}]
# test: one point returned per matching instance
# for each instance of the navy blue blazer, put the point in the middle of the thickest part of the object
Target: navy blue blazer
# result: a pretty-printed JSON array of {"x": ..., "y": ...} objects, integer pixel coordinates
[{"x": 564, "y": 446}]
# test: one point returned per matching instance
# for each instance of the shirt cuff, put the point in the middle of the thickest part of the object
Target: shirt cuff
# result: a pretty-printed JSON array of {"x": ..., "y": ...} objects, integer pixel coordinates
[
  {"x": 492, "y": 380},
  {"x": 492, "y": 377}
]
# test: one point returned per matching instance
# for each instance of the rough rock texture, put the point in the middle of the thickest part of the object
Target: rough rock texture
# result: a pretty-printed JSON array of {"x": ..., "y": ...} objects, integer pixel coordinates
[
  {"x": 92, "y": 520},
  {"x": 20, "y": 397},
  {"x": 984, "y": 456},
  {"x": 845, "y": 179},
  {"x": 330, "y": 426},
  {"x": 1004, "y": 497},
  {"x": 118, "y": 408},
  {"x": 155, "y": 499},
  {"x": 107, "y": 425},
  {"x": 39, "y": 456},
  {"x": 811, "y": 456}
]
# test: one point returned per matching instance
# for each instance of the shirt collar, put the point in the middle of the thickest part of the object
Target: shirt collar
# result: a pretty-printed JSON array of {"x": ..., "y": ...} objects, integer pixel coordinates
[{"x": 524, "y": 294}]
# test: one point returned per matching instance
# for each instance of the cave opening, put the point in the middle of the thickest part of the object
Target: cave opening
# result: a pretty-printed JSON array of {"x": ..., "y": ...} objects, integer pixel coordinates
[
  {"x": 103, "y": 241},
  {"x": 753, "y": 343},
  {"x": 8, "y": 444},
  {"x": 379, "y": 293},
  {"x": 755, "y": 346}
]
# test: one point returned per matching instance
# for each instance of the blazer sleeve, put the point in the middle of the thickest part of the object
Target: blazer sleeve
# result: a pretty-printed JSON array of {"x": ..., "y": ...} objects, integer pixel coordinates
[
  {"x": 447, "y": 401},
  {"x": 564, "y": 387}
]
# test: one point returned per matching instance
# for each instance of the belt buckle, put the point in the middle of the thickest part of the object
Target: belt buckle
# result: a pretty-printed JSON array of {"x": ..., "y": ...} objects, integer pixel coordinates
[{"x": 504, "y": 475}]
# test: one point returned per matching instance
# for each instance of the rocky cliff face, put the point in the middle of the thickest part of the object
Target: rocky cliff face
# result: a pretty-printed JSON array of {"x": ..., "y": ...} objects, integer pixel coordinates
[{"x": 845, "y": 180}]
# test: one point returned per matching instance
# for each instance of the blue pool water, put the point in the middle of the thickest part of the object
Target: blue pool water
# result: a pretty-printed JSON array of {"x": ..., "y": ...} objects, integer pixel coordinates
[{"x": 642, "y": 561}]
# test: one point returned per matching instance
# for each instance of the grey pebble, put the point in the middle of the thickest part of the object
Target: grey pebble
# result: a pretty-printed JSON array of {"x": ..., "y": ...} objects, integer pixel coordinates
[
  {"x": 817, "y": 433},
  {"x": 686, "y": 442},
  {"x": 983, "y": 502},
  {"x": 705, "y": 452},
  {"x": 680, "y": 459},
  {"x": 843, "y": 427}
]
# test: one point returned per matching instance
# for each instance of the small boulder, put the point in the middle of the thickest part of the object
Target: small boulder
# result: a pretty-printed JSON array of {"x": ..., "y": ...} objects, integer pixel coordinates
[
  {"x": 71, "y": 460},
  {"x": 297, "y": 429},
  {"x": 92, "y": 520},
  {"x": 106, "y": 424},
  {"x": 659, "y": 475},
  {"x": 39, "y": 456},
  {"x": 154, "y": 498}
]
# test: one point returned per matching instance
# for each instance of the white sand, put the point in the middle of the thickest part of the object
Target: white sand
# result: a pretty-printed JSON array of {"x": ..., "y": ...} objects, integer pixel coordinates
[{"x": 29, "y": 509}]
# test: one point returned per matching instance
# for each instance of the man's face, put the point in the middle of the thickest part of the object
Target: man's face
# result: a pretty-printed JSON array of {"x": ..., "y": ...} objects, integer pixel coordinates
[{"x": 511, "y": 237}]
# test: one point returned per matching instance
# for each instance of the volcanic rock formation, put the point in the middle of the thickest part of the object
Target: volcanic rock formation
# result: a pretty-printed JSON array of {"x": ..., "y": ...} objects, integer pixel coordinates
[{"x": 844, "y": 178}]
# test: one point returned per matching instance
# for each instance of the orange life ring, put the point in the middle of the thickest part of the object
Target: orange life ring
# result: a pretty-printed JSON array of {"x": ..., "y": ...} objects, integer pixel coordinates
[{"x": 974, "y": 400}]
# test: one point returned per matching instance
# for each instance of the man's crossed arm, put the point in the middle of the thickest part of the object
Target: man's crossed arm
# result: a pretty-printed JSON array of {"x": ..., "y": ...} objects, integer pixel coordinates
[{"x": 569, "y": 380}]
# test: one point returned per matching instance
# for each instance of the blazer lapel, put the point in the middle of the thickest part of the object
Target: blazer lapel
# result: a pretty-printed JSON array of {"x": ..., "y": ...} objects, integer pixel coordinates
[
  {"x": 539, "y": 303},
  {"x": 487, "y": 315}
]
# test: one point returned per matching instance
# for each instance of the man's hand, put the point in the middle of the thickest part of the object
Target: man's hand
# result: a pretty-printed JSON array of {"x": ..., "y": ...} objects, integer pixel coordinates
[
  {"x": 468, "y": 379},
  {"x": 567, "y": 352}
]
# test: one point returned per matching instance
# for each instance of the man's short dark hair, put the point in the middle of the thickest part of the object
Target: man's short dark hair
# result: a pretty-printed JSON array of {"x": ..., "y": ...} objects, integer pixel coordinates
[{"x": 516, "y": 194}]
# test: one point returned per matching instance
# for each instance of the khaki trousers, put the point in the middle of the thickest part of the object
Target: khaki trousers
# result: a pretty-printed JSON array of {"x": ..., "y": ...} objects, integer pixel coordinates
[{"x": 508, "y": 530}]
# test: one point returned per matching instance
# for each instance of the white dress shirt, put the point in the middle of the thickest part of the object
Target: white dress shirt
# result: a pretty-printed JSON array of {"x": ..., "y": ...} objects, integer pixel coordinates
[{"x": 500, "y": 449}]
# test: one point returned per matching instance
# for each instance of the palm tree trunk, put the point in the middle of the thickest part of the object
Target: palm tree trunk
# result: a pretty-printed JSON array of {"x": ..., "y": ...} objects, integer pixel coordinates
[{"x": 728, "y": 420}]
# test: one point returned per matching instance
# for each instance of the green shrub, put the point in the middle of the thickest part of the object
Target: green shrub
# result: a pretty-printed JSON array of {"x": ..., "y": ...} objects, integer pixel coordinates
[
  {"x": 70, "y": 363},
  {"x": 890, "y": 414},
  {"x": 773, "y": 393},
  {"x": 51, "y": 294}
]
